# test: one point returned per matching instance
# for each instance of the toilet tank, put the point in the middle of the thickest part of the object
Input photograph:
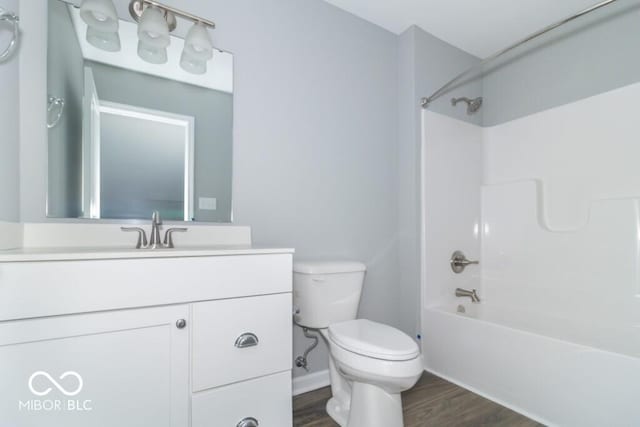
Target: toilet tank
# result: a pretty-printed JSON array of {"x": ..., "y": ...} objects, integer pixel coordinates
[{"x": 326, "y": 292}]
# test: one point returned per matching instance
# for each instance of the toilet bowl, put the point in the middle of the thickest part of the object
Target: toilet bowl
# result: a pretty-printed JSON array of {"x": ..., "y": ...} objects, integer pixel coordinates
[{"x": 370, "y": 363}]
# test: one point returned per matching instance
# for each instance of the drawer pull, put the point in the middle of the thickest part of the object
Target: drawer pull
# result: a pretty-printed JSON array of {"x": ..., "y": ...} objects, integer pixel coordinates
[
  {"x": 247, "y": 340},
  {"x": 248, "y": 422}
]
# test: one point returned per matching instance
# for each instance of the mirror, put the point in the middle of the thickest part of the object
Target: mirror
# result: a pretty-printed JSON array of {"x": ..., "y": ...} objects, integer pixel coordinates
[{"x": 127, "y": 136}]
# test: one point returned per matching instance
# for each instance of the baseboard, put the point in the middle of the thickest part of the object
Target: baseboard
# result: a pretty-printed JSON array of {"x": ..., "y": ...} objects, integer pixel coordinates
[
  {"x": 10, "y": 235},
  {"x": 310, "y": 382}
]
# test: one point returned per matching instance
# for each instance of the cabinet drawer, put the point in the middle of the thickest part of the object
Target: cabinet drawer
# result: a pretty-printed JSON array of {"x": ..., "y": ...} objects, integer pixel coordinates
[
  {"x": 219, "y": 357},
  {"x": 266, "y": 399}
]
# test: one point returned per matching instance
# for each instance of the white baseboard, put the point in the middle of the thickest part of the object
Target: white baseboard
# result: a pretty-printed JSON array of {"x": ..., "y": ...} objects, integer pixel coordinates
[
  {"x": 310, "y": 382},
  {"x": 10, "y": 235}
]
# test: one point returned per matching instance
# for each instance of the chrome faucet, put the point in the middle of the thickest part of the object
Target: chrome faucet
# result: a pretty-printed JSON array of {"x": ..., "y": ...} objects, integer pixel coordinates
[
  {"x": 156, "y": 222},
  {"x": 473, "y": 294},
  {"x": 154, "y": 241}
]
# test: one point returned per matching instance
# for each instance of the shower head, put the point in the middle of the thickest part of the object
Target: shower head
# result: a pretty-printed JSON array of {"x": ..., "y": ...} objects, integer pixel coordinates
[{"x": 473, "y": 105}]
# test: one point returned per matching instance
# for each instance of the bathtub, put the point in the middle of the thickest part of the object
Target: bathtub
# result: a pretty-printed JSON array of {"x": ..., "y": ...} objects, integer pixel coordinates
[{"x": 559, "y": 372}]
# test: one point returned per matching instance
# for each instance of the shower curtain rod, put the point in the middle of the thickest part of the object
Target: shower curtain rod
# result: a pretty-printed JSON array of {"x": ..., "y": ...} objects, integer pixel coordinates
[{"x": 437, "y": 94}]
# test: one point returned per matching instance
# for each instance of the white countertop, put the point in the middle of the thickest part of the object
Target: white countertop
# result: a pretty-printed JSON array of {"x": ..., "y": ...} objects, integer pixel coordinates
[{"x": 94, "y": 253}]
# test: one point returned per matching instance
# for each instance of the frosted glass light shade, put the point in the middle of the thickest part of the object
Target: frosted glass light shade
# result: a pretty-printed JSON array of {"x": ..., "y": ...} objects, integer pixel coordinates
[
  {"x": 152, "y": 54},
  {"x": 153, "y": 29},
  {"x": 192, "y": 65},
  {"x": 100, "y": 15},
  {"x": 103, "y": 40},
  {"x": 198, "y": 43}
]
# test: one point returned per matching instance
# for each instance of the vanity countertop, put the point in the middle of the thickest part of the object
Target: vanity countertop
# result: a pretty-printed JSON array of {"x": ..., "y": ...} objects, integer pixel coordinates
[{"x": 97, "y": 253}]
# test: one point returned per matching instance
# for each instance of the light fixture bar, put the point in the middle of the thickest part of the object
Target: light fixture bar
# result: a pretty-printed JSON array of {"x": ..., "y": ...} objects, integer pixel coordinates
[{"x": 136, "y": 7}]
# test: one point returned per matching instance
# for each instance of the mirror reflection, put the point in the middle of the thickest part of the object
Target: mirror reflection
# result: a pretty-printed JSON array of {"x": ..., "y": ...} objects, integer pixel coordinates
[{"x": 131, "y": 132}]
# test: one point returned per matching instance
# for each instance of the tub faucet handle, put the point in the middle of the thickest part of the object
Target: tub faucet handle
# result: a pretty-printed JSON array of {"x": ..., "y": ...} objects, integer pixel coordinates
[{"x": 459, "y": 262}]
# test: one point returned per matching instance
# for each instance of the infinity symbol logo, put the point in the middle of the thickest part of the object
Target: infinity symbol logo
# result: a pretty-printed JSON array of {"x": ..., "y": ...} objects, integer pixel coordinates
[{"x": 55, "y": 383}]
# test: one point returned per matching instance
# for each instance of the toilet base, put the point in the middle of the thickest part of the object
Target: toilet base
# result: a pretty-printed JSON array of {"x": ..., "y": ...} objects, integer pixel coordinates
[
  {"x": 371, "y": 406},
  {"x": 338, "y": 412}
]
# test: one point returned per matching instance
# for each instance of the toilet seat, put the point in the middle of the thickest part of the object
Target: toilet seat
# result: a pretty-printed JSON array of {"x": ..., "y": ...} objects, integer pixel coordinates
[{"x": 375, "y": 340}]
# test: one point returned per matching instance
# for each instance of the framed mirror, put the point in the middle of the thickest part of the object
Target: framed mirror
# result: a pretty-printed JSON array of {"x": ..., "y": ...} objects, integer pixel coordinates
[{"x": 131, "y": 133}]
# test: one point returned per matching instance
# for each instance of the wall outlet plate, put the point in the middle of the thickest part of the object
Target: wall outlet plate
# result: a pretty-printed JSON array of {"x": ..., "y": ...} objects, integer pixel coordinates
[{"x": 207, "y": 203}]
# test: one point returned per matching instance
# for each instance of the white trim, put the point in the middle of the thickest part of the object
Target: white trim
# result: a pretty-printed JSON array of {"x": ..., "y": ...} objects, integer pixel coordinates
[{"x": 309, "y": 382}]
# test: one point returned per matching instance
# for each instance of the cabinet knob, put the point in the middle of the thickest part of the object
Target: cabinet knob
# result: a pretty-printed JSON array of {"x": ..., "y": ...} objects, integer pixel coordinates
[
  {"x": 247, "y": 340},
  {"x": 248, "y": 422},
  {"x": 181, "y": 323}
]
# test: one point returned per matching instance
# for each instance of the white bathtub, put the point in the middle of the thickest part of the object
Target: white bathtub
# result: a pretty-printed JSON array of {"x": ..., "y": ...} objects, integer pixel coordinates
[{"x": 556, "y": 371}]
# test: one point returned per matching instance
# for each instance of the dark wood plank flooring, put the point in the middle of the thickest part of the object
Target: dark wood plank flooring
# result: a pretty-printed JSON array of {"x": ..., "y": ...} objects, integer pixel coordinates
[{"x": 433, "y": 402}]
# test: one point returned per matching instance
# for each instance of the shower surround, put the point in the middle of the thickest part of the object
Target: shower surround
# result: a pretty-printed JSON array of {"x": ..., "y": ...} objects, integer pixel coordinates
[{"x": 550, "y": 204}]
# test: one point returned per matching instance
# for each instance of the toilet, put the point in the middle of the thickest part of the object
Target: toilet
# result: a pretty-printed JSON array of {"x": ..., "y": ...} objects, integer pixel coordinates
[{"x": 370, "y": 363}]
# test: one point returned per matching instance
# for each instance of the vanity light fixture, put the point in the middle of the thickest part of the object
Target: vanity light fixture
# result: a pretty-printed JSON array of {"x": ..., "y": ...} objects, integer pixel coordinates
[
  {"x": 152, "y": 54},
  {"x": 156, "y": 21},
  {"x": 198, "y": 43},
  {"x": 153, "y": 35},
  {"x": 103, "y": 40},
  {"x": 102, "y": 24},
  {"x": 191, "y": 64},
  {"x": 153, "y": 28},
  {"x": 198, "y": 49}
]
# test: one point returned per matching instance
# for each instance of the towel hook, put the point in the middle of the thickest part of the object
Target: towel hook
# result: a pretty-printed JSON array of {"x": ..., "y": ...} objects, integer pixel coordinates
[
  {"x": 13, "y": 19},
  {"x": 55, "y": 108}
]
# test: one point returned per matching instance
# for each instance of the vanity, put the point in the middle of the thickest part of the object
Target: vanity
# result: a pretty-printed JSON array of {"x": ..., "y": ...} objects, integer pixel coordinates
[
  {"x": 194, "y": 336},
  {"x": 94, "y": 332}
]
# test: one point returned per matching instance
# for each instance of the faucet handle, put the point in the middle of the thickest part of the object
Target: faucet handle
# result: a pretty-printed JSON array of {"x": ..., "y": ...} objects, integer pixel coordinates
[
  {"x": 142, "y": 236},
  {"x": 168, "y": 236}
]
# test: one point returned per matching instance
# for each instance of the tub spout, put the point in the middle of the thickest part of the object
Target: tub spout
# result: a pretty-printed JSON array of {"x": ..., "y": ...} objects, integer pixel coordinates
[{"x": 473, "y": 294}]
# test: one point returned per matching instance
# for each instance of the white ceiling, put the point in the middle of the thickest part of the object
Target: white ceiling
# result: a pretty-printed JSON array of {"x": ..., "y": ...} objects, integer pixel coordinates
[{"x": 480, "y": 27}]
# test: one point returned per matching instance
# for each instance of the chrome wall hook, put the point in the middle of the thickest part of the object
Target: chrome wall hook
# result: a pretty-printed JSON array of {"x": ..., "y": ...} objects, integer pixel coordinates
[
  {"x": 55, "y": 108},
  {"x": 11, "y": 18}
]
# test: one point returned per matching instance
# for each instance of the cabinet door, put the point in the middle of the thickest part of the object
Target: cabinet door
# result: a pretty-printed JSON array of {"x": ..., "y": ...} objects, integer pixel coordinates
[{"x": 119, "y": 368}]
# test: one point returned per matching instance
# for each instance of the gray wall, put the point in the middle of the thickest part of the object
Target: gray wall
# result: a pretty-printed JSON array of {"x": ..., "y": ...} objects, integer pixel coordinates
[
  {"x": 425, "y": 63},
  {"x": 315, "y": 137},
  {"x": 213, "y": 113},
  {"x": 65, "y": 80},
  {"x": 595, "y": 54},
  {"x": 9, "y": 132}
]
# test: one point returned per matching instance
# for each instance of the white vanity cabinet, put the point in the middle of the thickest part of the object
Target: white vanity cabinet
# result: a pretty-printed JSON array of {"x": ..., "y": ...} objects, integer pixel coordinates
[
  {"x": 127, "y": 367},
  {"x": 134, "y": 346}
]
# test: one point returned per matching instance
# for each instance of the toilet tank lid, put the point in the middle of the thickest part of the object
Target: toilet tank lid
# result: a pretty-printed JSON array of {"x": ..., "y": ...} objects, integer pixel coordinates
[{"x": 328, "y": 267}]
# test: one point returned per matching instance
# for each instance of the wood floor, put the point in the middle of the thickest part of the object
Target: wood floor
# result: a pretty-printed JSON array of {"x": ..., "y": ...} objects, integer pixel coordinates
[{"x": 432, "y": 402}]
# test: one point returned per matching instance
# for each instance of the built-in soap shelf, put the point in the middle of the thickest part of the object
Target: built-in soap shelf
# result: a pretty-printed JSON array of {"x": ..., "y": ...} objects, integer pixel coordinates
[
  {"x": 579, "y": 270},
  {"x": 541, "y": 210}
]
